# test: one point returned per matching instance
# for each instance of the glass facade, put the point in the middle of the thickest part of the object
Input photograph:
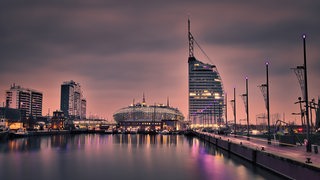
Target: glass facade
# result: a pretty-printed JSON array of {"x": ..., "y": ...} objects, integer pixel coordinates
[
  {"x": 144, "y": 113},
  {"x": 72, "y": 102},
  {"x": 206, "y": 94}
]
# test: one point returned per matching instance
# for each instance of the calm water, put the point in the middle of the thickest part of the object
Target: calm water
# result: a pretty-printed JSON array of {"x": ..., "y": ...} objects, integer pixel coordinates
[{"x": 136, "y": 157}]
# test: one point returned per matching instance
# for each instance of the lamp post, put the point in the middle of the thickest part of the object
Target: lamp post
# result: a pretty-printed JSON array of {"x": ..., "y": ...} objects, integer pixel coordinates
[
  {"x": 308, "y": 147},
  {"x": 265, "y": 92},
  {"x": 226, "y": 110},
  {"x": 245, "y": 98},
  {"x": 301, "y": 72},
  {"x": 268, "y": 103},
  {"x": 247, "y": 104},
  {"x": 234, "y": 111},
  {"x": 301, "y": 111}
]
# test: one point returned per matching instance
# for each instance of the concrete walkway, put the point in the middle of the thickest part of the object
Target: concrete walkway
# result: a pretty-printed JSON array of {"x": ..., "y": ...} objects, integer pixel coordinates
[{"x": 297, "y": 152}]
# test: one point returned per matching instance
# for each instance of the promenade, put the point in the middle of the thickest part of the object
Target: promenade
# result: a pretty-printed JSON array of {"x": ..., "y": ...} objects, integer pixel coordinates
[
  {"x": 292, "y": 162},
  {"x": 297, "y": 152}
]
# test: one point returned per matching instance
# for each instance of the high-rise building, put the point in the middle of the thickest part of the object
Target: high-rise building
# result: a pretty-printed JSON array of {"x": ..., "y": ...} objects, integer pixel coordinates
[
  {"x": 25, "y": 99},
  {"x": 72, "y": 102},
  {"x": 83, "y": 108},
  {"x": 206, "y": 94}
]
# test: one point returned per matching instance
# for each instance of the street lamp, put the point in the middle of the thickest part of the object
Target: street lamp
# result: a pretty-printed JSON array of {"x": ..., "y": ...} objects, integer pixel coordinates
[
  {"x": 226, "y": 110},
  {"x": 233, "y": 105},
  {"x": 301, "y": 111},
  {"x": 245, "y": 98},
  {"x": 265, "y": 92},
  {"x": 301, "y": 72}
]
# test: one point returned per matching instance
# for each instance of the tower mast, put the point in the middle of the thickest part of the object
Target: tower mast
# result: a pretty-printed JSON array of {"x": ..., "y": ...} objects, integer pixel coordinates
[
  {"x": 143, "y": 99},
  {"x": 191, "y": 40}
]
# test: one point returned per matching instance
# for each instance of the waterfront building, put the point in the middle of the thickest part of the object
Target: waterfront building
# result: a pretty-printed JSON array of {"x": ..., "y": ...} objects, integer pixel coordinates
[
  {"x": 146, "y": 117},
  {"x": 12, "y": 115},
  {"x": 72, "y": 102},
  {"x": 206, "y": 93},
  {"x": 25, "y": 99},
  {"x": 58, "y": 120}
]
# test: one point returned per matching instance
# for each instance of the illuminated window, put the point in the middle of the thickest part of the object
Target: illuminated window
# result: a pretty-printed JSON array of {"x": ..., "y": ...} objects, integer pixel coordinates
[{"x": 192, "y": 94}]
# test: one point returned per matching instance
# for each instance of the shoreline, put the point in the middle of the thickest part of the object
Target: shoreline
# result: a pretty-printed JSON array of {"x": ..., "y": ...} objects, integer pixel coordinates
[{"x": 287, "y": 162}]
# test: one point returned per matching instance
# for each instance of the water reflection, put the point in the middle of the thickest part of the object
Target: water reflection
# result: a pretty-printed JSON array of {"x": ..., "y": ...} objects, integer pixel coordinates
[
  {"x": 137, "y": 139},
  {"x": 21, "y": 145},
  {"x": 121, "y": 156},
  {"x": 63, "y": 142}
]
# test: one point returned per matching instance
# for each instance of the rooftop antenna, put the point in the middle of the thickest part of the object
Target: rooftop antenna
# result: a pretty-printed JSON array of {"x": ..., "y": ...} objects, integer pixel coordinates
[
  {"x": 191, "y": 44},
  {"x": 191, "y": 40},
  {"x": 143, "y": 99}
]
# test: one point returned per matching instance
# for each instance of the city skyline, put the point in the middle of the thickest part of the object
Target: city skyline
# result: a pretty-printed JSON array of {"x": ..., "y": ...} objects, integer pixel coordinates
[{"x": 117, "y": 51}]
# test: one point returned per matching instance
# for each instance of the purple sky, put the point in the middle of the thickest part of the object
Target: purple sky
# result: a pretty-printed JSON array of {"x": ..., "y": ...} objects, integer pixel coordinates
[{"x": 118, "y": 50}]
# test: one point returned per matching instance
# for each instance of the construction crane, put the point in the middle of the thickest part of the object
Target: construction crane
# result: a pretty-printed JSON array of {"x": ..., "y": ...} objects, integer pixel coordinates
[{"x": 278, "y": 125}]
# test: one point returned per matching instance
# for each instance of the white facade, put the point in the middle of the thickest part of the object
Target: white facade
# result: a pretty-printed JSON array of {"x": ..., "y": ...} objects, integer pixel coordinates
[{"x": 26, "y": 99}]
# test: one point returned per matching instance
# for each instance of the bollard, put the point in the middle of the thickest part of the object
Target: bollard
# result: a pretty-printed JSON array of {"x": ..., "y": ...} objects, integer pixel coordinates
[
  {"x": 315, "y": 149},
  {"x": 308, "y": 161}
]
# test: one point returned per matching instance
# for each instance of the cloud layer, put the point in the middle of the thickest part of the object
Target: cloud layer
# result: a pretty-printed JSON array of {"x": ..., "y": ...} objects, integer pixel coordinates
[{"x": 118, "y": 50}]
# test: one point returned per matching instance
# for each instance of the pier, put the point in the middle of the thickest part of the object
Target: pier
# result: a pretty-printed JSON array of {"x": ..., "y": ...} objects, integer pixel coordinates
[{"x": 289, "y": 161}]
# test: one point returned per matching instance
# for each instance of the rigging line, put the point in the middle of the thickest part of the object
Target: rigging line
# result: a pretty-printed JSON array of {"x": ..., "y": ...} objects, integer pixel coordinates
[
  {"x": 205, "y": 55},
  {"x": 202, "y": 50}
]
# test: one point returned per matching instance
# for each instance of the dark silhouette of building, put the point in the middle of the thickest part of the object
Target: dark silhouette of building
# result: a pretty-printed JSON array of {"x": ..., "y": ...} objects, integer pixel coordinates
[
  {"x": 58, "y": 120},
  {"x": 72, "y": 102}
]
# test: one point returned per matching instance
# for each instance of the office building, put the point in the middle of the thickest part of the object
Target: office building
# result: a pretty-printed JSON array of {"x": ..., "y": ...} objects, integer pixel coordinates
[
  {"x": 72, "y": 103},
  {"x": 25, "y": 99},
  {"x": 206, "y": 93}
]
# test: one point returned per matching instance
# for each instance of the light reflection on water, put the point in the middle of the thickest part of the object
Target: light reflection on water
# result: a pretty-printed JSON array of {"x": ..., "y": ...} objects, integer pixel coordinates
[{"x": 93, "y": 156}]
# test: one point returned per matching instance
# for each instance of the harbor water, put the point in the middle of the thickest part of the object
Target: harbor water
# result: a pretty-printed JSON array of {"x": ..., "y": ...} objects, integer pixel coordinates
[{"x": 121, "y": 156}]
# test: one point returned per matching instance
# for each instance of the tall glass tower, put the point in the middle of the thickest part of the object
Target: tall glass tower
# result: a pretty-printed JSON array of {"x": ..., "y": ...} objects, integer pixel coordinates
[
  {"x": 206, "y": 94},
  {"x": 72, "y": 102}
]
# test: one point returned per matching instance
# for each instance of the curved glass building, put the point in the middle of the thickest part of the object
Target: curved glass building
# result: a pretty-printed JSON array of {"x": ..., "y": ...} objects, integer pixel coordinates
[
  {"x": 206, "y": 95},
  {"x": 142, "y": 116},
  {"x": 206, "y": 92}
]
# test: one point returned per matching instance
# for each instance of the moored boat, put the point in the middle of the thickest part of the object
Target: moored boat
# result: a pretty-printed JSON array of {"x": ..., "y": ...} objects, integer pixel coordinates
[
  {"x": 21, "y": 132},
  {"x": 165, "y": 132},
  {"x": 4, "y": 129}
]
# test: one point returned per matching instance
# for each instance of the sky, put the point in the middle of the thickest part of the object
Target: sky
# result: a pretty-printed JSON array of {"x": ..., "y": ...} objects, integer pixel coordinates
[{"x": 118, "y": 50}]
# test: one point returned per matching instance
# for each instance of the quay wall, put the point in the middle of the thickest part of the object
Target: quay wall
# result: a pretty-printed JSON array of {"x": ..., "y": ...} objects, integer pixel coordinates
[
  {"x": 52, "y": 132},
  {"x": 284, "y": 166}
]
